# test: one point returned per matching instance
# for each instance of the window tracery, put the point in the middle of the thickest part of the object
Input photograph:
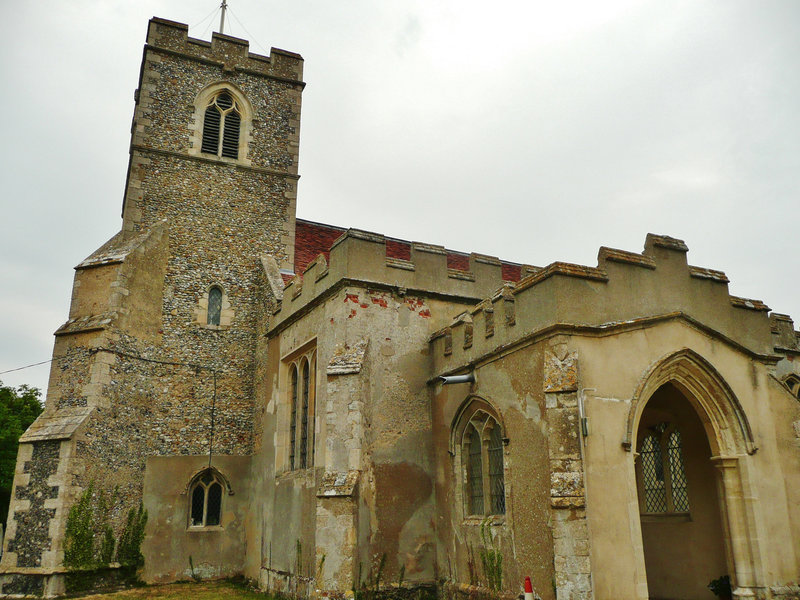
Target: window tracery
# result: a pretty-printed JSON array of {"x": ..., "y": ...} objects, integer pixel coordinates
[
  {"x": 205, "y": 498},
  {"x": 222, "y": 126},
  {"x": 481, "y": 460},
  {"x": 301, "y": 417}
]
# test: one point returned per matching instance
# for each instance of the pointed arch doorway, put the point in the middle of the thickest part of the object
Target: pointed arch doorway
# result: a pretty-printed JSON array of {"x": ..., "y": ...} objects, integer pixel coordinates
[
  {"x": 676, "y": 380},
  {"x": 679, "y": 499}
]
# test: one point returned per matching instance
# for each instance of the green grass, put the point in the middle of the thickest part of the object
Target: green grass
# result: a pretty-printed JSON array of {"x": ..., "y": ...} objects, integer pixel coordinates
[{"x": 214, "y": 590}]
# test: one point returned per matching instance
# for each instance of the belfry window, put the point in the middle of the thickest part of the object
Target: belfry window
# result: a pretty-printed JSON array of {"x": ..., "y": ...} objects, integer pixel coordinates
[
  {"x": 662, "y": 472},
  {"x": 482, "y": 464},
  {"x": 221, "y": 126},
  {"x": 206, "y": 500},
  {"x": 214, "y": 305}
]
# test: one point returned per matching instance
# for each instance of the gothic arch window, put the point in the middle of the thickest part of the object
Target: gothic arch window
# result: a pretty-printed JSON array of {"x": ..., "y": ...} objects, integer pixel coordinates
[
  {"x": 214, "y": 305},
  {"x": 205, "y": 499},
  {"x": 480, "y": 452},
  {"x": 222, "y": 124},
  {"x": 662, "y": 473},
  {"x": 793, "y": 383},
  {"x": 301, "y": 414}
]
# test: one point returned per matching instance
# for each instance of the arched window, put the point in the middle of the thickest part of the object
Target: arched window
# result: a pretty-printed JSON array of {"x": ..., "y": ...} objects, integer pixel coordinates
[
  {"x": 222, "y": 125},
  {"x": 304, "y": 418},
  {"x": 205, "y": 496},
  {"x": 793, "y": 383},
  {"x": 301, "y": 411},
  {"x": 481, "y": 459},
  {"x": 214, "y": 305},
  {"x": 662, "y": 471},
  {"x": 293, "y": 421}
]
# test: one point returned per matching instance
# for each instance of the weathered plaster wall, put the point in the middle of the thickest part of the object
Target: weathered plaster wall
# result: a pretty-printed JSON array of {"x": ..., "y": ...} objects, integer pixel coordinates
[
  {"x": 612, "y": 368},
  {"x": 372, "y": 421},
  {"x": 169, "y": 541},
  {"x": 513, "y": 386}
]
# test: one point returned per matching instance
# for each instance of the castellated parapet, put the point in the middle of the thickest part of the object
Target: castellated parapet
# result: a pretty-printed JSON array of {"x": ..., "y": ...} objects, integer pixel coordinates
[
  {"x": 625, "y": 290},
  {"x": 364, "y": 258}
]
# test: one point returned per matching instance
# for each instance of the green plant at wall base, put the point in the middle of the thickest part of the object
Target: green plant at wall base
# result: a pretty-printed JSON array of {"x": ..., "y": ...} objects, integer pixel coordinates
[
  {"x": 368, "y": 589},
  {"x": 79, "y": 533},
  {"x": 103, "y": 531},
  {"x": 129, "y": 552},
  {"x": 491, "y": 559}
]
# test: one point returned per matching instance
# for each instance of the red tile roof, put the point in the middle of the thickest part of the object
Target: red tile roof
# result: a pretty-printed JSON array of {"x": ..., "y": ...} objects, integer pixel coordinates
[{"x": 313, "y": 239}]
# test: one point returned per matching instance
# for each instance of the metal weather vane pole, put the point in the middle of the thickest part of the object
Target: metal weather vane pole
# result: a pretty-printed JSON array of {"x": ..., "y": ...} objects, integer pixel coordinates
[{"x": 224, "y": 8}]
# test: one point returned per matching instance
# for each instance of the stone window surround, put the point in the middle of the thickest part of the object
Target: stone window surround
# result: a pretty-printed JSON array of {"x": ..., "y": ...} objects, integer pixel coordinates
[
  {"x": 484, "y": 417},
  {"x": 663, "y": 441},
  {"x": 792, "y": 382},
  {"x": 201, "y": 310},
  {"x": 195, "y": 125},
  {"x": 294, "y": 361}
]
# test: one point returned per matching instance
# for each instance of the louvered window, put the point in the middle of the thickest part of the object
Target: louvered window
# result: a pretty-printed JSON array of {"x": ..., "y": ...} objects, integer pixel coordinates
[
  {"x": 206, "y": 500},
  {"x": 662, "y": 472},
  {"x": 222, "y": 126}
]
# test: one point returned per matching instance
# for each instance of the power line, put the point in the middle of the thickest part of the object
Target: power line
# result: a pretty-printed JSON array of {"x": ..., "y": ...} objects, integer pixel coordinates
[
  {"x": 44, "y": 362},
  {"x": 118, "y": 353}
]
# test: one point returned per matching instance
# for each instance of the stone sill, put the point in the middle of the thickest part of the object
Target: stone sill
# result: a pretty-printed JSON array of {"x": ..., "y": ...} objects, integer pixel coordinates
[{"x": 683, "y": 517}]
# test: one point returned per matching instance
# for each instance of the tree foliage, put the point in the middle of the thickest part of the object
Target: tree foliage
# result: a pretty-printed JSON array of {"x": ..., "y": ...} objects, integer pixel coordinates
[{"x": 19, "y": 407}]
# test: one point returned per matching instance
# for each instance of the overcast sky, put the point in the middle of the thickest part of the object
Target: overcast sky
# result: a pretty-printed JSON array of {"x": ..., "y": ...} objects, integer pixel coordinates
[{"x": 534, "y": 131}]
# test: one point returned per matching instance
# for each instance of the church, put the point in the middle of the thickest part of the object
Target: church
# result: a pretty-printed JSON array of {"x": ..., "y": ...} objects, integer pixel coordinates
[{"x": 319, "y": 408}]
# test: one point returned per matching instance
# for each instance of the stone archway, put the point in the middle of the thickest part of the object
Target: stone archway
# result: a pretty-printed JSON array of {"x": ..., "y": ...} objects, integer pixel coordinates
[
  {"x": 682, "y": 533},
  {"x": 685, "y": 387}
]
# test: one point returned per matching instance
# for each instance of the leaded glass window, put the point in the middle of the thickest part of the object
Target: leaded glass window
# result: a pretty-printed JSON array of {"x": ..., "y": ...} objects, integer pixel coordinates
[
  {"x": 301, "y": 414},
  {"x": 680, "y": 498},
  {"x": 214, "y": 306},
  {"x": 304, "y": 420},
  {"x": 293, "y": 421},
  {"x": 662, "y": 471},
  {"x": 221, "y": 126},
  {"x": 655, "y": 493},
  {"x": 475, "y": 472},
  {"x": 206, "y": 500},
  {"x": 497, "y": 492}
]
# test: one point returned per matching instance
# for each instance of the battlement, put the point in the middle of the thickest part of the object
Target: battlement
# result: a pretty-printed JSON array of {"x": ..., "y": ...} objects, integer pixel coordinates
[
  {"x": 414, "y": 267},
  {"x": 624, "y": 289},
  {"x": 232, "y": 53}
]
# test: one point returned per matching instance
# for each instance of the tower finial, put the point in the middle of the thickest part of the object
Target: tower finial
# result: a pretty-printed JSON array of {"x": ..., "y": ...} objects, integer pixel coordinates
[{"x": 224, "y": 7}]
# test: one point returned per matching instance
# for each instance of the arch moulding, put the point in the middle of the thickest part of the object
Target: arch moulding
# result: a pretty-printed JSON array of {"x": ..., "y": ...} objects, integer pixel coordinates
[{"x": 726, "y": 424}]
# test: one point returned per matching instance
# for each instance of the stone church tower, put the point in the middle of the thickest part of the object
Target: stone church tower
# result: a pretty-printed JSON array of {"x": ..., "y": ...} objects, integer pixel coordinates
[{"x": 164, "y": 317}]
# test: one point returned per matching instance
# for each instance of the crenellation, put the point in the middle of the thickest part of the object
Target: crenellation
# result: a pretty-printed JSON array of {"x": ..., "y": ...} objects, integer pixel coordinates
[
  {"x": 224, "y": 50},
  {"x": 560, "y": 293}
]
